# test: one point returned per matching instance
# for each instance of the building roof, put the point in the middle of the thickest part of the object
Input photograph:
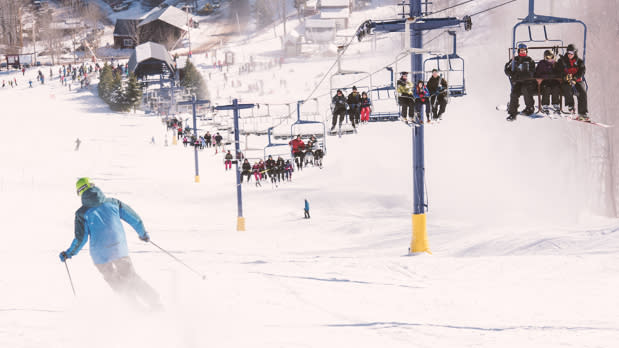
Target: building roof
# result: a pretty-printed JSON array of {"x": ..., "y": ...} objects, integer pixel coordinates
[
  {"x": 150, "y": 50},
  {"x": 334, "y": 13},
  {"x": 170, "y": 15},
  {"x": 126, "y": 27}
]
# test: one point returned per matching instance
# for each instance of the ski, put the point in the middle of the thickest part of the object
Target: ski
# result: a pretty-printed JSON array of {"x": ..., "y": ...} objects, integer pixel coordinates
[{"x": 568, "y": 116}]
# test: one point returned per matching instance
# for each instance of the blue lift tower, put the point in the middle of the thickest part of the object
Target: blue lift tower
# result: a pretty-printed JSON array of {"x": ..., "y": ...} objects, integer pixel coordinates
[{"x": 416, "y": 23}]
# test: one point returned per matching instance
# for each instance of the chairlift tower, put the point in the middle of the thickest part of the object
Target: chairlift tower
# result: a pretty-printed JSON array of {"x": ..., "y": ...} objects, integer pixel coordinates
[{"x": 414, "y": 26}]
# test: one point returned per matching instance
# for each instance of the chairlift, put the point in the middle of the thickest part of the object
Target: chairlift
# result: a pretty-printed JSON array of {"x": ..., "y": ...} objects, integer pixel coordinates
[
  {"x": 307, "y": 128},
  {"x": 452, "y": 66},
  {"x": 334, "y": 85},
  {"x": 533, "y": 20},
  {"x": 556, "y": 45},
  {"x": 393, "y": 113}
]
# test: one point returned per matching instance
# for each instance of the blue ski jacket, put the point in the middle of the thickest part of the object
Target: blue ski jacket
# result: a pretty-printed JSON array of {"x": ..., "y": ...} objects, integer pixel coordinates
[
  {"x": 306, "y": 205},
  {"x": 99, "y": 218}
]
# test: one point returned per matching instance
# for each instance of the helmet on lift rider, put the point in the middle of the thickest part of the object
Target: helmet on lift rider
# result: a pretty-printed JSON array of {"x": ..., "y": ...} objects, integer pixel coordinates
[
  {"x": 571, "y": 49},
  {"x": 548, "y": 54}
]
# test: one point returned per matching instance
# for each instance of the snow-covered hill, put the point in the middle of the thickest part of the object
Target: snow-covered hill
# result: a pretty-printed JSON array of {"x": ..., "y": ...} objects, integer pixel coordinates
[{"x": 521, "y": 256}]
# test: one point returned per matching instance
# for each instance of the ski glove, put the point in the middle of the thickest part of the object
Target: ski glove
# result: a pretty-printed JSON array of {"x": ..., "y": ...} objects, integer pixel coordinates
[
  {"x": 145, "y": 237},
  {"x": 64, "y": 256}
]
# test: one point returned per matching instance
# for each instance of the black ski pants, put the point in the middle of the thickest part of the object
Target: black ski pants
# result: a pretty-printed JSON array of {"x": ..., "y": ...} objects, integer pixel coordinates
[
  {"x": 550, "y": 90},
  {"x": 408, "y": 106},
  {"x": 439, "y": 103},
  {"x": 581, "y": 93},
  {"x": 338, "y": 112},
  {"x": 355, "y": 113},
  {"x": 525, "y": 88}
]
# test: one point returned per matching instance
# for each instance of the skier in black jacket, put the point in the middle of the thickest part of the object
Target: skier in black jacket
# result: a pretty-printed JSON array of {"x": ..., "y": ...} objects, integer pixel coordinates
[
  {"x": 437, "y": 86},
  {"x": 246, "y": 170},
  {"x": 520, "y": 70},
  {"x": 271, "y": 168},
  {"x": 573, "y": 74},
  {"x": 338, "y": 107}
]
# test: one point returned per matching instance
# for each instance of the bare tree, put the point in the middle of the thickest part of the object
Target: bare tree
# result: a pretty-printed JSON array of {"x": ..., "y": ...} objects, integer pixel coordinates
[{"x": 10, "y": 22}]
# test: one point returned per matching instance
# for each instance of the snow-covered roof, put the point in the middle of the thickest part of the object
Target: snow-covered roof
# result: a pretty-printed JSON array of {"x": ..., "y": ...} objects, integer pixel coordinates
[
  {"x": 170, "y": 15},
  {"x": 335, "y": 13},
  {"x": 147, "y": 51},
  {"x": 334, "y": 3}
]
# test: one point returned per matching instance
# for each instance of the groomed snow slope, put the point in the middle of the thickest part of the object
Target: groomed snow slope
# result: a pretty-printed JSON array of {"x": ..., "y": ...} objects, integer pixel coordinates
[{"x": 514, "y": 262}]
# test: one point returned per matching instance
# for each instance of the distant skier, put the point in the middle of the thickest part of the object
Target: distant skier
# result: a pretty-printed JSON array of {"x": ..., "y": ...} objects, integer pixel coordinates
[
  {"x": 520, "y": 78},
  {"x": 99, "y": 219},
  {"x": 338, "y": 108},
  {"x": 306, "y": 209},
  {"x": 77, "y": 144},
  {"x": 573, "y": 83},
  {"x": 405, "y": 96},
  {"x": 437, "y": 86}
]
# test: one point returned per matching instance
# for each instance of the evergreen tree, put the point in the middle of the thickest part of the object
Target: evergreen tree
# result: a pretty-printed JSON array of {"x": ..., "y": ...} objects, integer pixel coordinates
[
  {"x": 117, "y": 99},
  {"x": 193, "y": 81},
  {"x": 133, "y": 92},
  {"x": 106, "y": 79}
]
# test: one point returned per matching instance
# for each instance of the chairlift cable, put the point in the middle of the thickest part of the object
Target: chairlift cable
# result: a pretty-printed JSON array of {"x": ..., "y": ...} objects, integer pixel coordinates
[
  {"x": 492, "y": 8},
  {"x": 450, "y": 7}
]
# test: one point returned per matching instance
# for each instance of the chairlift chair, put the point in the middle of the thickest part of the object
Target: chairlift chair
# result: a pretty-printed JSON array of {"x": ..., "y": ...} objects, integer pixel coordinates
[
  {"x": 556, "y": 45},
  {"x": 452, "y": 65},
  {"x": 334, "y": 86},
  {"x": 300, "y": 127}
]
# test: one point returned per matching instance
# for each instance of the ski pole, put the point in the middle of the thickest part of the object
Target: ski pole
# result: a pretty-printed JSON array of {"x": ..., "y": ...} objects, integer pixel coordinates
[
  {"x": 178, "y": 260},
  {"x": 70, "y": 280}
]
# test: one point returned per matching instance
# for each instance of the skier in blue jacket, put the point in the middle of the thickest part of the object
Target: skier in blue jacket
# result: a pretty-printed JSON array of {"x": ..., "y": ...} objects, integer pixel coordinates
[
  {"x": 99, "y": 219},
  {"x": 306, "y": 209}
]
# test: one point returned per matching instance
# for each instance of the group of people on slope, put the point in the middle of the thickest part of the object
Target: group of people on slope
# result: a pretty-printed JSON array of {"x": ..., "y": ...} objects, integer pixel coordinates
[
  {"x": 357, "y": 106},
  {"x": 432, "y": 95},
  {"x": 551, "y": 78}
]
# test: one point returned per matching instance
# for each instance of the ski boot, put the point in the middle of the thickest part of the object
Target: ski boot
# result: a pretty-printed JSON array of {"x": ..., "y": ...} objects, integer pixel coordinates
[
  {"x": 583, "y": 117},
  {"x": 570, "y": 108},
  {"x": 556, "y": 108},
  {"x": 546, "y": 110},
  {"x": 511, "y": 117},
  {"x": 529, "y": 110}
]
